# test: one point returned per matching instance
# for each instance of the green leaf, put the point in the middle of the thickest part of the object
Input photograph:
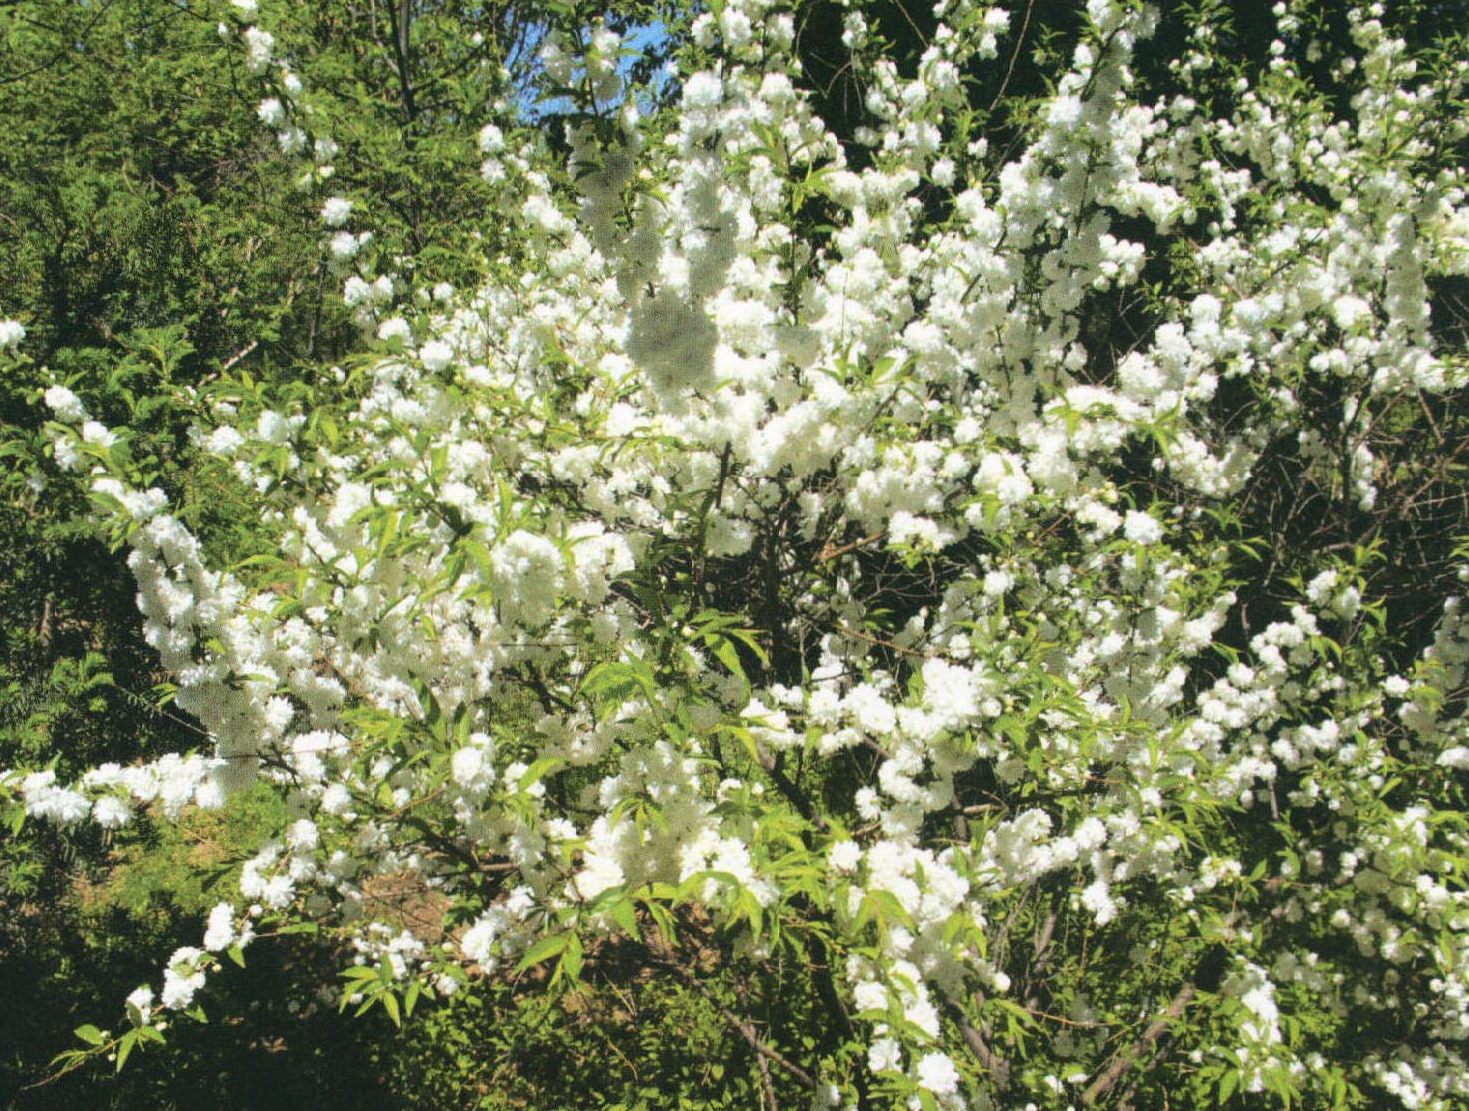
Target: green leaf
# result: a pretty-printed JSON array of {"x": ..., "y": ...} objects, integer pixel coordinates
[
  {"x": 542, "y": 950},
  {"x": 125, "y": 1048},
  {"x": 539, "y": 770},
  {"x": 89, "y": 1034},
  {"x": 1019, "y": 1013},
  {"x": 624, "y": 914},
  {"x": 390, "y": 1004},
  {"x": 1227, "y": 1084},
  {"x": 571, "y": 959},
  {"x": 726, "y": 653}
]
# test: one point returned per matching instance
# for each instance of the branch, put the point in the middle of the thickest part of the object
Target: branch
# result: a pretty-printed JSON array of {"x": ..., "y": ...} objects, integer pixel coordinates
[
  {"x": 1014, "y": 54},
  {"x": 746, "y": 1031},
  {"x": 792, "y": 793},
  {"x": 833, "y": 551},
  {"x": 992, "y": 1062},
  {"x": 1128, "y": 1059},
  {"x": 240, "y": 354},
  {"x": 400, "y": 49}
]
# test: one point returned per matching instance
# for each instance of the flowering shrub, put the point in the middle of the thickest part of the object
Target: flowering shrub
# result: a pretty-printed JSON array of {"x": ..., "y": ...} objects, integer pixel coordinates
[{"x": 780, "y": 559}]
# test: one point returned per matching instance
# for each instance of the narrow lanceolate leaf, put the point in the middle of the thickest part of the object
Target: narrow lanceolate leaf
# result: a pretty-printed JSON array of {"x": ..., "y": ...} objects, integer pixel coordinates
[{"x": 542, "y": 950}]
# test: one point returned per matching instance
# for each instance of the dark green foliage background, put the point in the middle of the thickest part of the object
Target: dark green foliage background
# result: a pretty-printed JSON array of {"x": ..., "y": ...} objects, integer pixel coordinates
[{"x": 152, "y": 235}]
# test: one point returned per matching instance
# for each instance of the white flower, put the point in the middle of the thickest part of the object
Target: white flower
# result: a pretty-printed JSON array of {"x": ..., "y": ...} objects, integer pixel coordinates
[
  {"x": 260, "y": 45},
  {"x": 884, "y": 1054},
  {"x": 344, "y": 246},
  {"x": 703, "y": 91},
  {"x": 1064, "y": 111},
  {"x": 336, "y": 799},
  {"x": 845, "y": 856},
  {"x": 277, "y": 892},
  {"x": 178, "y": 991},
  {"x": 467, "y": 766},
  {"x": 303, "y": 836},
  {"x": 335, "y": 211},
  {"x": 869, "y": 995},
  {"x": 436, "y": 355},
  {"x": 94, "y": 432},
  {"x": 937, "y": 1073},
  {"x": 479, "y": 939},
  {"x": 183, "y": 978},
  {"x": 69, "y": 807},
  {"x": 1319, "y": 589},
  {"x": 67, "y": 405},
  {"x": 271, "y": 112},
  {"x": 11, "y": 333},
  {"x": 355, "y": 291},
  {"x": 141, "y": 997},
  {"x": 1348, "y": 309},
  {"x": 111, "y": 812},
  {"x": 395, "y": 330},
  {"x": 1141, "y": 528},
  {"x": 597, "y": 875},
  {"x": 491, "y": 139},
  {"x": 220, "y": 933},
  {"x": 247, "y": 8},
  {"x": 736, "y": 27}
]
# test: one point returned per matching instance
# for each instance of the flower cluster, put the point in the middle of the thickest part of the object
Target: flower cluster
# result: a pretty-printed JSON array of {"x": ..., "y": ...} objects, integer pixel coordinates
[{"x": 849, "y": 582}]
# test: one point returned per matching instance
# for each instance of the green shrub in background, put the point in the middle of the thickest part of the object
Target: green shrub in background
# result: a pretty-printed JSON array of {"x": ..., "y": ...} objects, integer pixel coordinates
[{"x": 153, "y": 235}]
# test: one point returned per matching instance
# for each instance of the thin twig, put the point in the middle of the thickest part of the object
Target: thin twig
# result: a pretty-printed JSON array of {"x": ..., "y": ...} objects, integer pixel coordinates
[
  {"x": 831, "y": 552},
  {"x": 744, "y": 1029},
  {"x": 882, "y": 643},
  {"x": 240, "y": 354},
  {"x": 1014, "y": 54}
]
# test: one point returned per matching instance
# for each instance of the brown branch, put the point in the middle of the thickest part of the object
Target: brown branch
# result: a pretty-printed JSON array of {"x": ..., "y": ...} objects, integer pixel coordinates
[
  {"x": 1014, "y": 55},
  {"x": 833, "y": 551},
  {"x": 994, "y": 1064},
  {"x": 851, "y": 632},
  {"x": 1126, "y": 1060},
  {"x": 43, "y": 634},
  {"x": 918, "y": 33},
  {"x": 766, "y": 1084},
  {"x": 240, "y": 354},
  {"x": 974, "y": 1038}
]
